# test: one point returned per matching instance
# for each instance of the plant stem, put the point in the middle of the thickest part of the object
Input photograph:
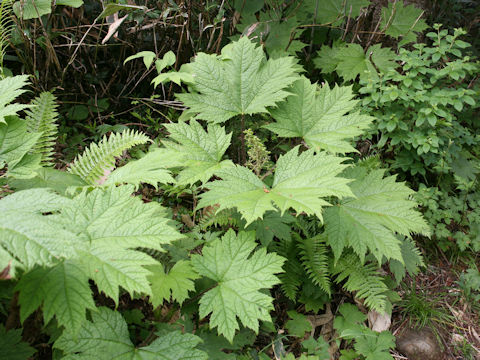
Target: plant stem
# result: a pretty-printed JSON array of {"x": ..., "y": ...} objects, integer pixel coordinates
[{"x": 243, "y": 150}]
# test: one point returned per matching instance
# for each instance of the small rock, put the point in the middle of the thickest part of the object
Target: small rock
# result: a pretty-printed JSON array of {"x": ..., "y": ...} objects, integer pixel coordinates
[
  {"x": 419, "y": 345},
  {"x": 379, "y": 322}
]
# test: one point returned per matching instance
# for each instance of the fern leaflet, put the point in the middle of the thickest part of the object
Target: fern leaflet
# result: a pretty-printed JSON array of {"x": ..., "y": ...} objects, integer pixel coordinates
[
  {"x": 6, "y": 26},
  {"x": 41, "y": 119},
  {"x": 314, "y": 257},
  {"x": 291, "y": 278},
  {"x": 98, "y": 159},
  {"x": 363, "y": 279}
]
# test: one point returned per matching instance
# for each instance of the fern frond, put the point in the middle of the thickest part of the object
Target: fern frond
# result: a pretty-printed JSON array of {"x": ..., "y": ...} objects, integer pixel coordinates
[
  {"x": 363, "y": 279},
  {"x": 99, "y": 158},
  {"x": 41, "y": 118},
  {"x": 313, "y": 253},
  {"x": 292, "y": 277},
  {"x": 227, "y": 217},
  {"x": 6, "y": 26}
]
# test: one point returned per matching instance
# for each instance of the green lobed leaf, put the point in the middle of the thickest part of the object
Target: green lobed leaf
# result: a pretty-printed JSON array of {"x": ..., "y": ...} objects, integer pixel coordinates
[
  {"x": 200, "y": 151},
  {"x": 400, "y": 20},
  {"x": 106, "y": 228},
  {"x": 11, "y": 345},
  {"x": 34, "y": 239},
  {"x": 300, "y": 182},
  {"x": 15, "y": 143},
  {"x": 239, "y": 82},
  {"x": 111, "y": 224},
  {"x": 350, "y": 60},
  {"x": 323, "y": 117},
  {"x": 376, "y": 346},
  {"x": 64, "y": 291},
  {"x": 240, "y": 275},
  {"x": 106, "y": 337},
  {"x": 298, "y": 324},
  {"x": 175, "y": 284},
  {"x": 380, "y": 208},
  {"x": 10, "y": 89},
  {"x": 273, "y": 224}
]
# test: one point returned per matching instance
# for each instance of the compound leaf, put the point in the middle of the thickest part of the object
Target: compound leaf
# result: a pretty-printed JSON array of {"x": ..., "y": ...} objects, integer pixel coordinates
[
  {"x": 99, "y": 159},
  {"x": 364, "y": 279}
]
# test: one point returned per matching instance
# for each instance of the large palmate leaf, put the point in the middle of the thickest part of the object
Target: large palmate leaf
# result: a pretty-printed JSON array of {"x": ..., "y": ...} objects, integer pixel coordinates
[
  {"x": 95, "y": 235},
  {"x": 10, "y": 89},
  {"x": 240, "y": 81},
  {"x": 350, "y": 60},
  {"x": 106, "y": 337},
  {"x": 111, "y": 224},
  {"x": 239, "y": 276},
  {"x": 400, "y": 20},
  {"x": 63, "y": 289},
  {"x": 200, "y": 151},
  {"x": 320, "y": 116},
  {"x": 335, "y": 11},
  {"x": 381, "y": 207},
  {"x": 300, "y": 182},
  {"x": 34, "y": 239}
]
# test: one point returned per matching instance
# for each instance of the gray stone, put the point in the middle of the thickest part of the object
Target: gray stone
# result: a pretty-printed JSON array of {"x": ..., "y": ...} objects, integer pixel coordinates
[{"x": 419, "y": 345}]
